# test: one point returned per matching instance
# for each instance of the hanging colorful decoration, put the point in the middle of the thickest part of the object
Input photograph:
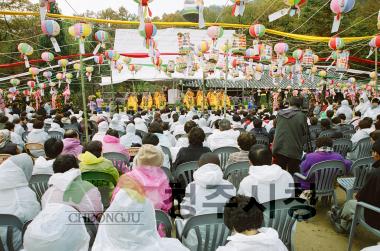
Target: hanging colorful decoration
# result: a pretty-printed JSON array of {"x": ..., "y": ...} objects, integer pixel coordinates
[
  {"x": 89, "y": 70},
  {"x": 309, "y": 58},
  {"x": 193, "y": 12},
  {"x": 112, "y": 56},
  {"x": 26, "y": 93},
  {"x": 374, "y": 44},
  {"x": 239, "y": 44},
  {"x": 298, "y": 55},
  {"x": 76, "y": 67},
  {"x": 13, "y": 92},
  {"x": 342, "y": 61},
  {"x": 80, "y": 31},
  {"x": 47, "y": 57},
  {"x": 31, "y": 84},
  {"x": 294, "y": 8},
  {"x": 14, "y": 82},
  {"x": 215, "y": 32},
  {"x": 204, "y": 46},
  {"x": 336, "y": 44},
  {"x": 99, "y": 60},
  {"x": 339, "y": 7},
  {"x": 134, "y": 68},
  {"x": 47, "y": 75},
  {"x": 143, "y": 11},
  {"x": 25, "y": 50},
  {"x": 45, "y": 8},
  {"x": 59, "y": 76},
  {"x": 63, "y": 63},
  {"x": 257, "y": 30},
  {"x": 378, "y": 21},
  {"x": 119, "y": 67},
  {"x": 34, "y": 71},
  {"x": 239, "y": 7},
  {"x": 51, "y": 29},
  {"x": 66, "y": 94},
  {"x": 101, "y": 37},
  {"x": 148, "y": 32}
]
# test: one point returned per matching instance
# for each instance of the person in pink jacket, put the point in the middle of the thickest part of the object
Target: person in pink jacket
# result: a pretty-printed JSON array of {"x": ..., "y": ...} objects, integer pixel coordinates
[
  {"x": 111, "y": 143},
  {"x": 71, "y": 143},
  {"x": 148, "y": 178}
]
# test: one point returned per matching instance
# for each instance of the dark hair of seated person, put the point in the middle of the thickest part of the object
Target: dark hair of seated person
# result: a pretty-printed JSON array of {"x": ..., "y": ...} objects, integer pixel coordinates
[
  {"x": 189, "y": 125},
  {"x": 246, "y": 141},
  {"x": 196, "y": 137},
  {"x": 71, "y": 134},
  {"x": 64, "y": 163},
  {"x": 150, "y": 139},
  {"x": 260, "y": 155},
  {"x": 209, "y": 158},
  {"x": 242, "y": 213},
  {"x": 38, "y": 124},
  {"x": 113, "y": 133},
  {"x": 53, "y": 147},
  {"x": 94, "y": 147},
  {"x": 324, "y": 142},
  {"x": 155, "y": 127}
]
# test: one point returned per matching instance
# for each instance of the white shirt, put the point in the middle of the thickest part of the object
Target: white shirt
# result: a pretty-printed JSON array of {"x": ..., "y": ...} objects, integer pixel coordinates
[{"x": 222, "y": 139}]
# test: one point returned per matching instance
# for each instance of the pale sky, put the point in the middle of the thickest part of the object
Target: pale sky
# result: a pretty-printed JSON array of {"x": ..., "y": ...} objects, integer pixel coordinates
[{"x": 158, "y": 7}]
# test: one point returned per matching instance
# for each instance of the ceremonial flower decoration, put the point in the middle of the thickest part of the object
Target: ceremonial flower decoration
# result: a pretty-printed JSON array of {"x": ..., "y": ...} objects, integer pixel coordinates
[{"x": 51, "y": 29}]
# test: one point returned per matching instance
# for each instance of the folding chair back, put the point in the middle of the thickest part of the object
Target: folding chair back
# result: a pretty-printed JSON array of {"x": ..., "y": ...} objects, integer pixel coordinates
[
  {"x": 119, "y": 160},
  {"x": 342, "y": 146},
  {"x": 348, "y": 134},
  {"x": 55, "y": 135},
  {"x": 364, "y": 148},
  {"x": 168, "y": 155},
  {"x": 315, "y": 130},
  {"x": 327, "y": 133},
  {"x": 39, "y": 184},
  {"x": 4, "y": 157},
  {"x": 360, "y": 169},
  {"x": 209, "y": 229},
  {"x": 47, "y": 127},
  {"x": 282, "y": 214},
  {"x": 224, "y": 154},
  {"x": 34, "y": 148},
  {"x": 164, "y": 218},
  {"x": 104, "y": 183},
  {"x": 25, "y": 136},
  {"x": 240, "y": 129},
  {"x": 141, "y": 133},
  {"x": 359, "y": 219},
  {"x": 184, "y": 172},
  {"x": 10, "y": 222},
  {"x": 236, "y": 172}
]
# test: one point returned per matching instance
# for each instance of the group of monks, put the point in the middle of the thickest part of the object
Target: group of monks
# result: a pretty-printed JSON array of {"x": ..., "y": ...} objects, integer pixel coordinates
[
  {"x": 147, "y": 102},
  {"x": 213, "y": 99}
]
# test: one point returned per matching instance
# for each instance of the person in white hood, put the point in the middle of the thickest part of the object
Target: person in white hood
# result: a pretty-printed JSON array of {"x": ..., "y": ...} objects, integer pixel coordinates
[
  {"x": 180, "y": 127},
  {"x": 133, "y": 228},
  {"x": 37, "y": 134},
  {"x": 364, "y": 104},
  {"x": 67, "y": 186},
  {"x": 345, "y": 109},
  {"x": 102, "y": 130},
  {"x": 265, "y": 181},
  {"x": 207, "y": 194},
  {"x": 53, "y": 147},
  {"x": 57, "y": 227},
  {"x": 373, "y": 110},
  {"x": 116, "y": 124},
  {"x": 202, "y": 123},
  {"x": 365, "y": 128},
  {"x": 130, "y": 137},
  {"x": 16, "y": 197},
  {"x": 140, "y": 124},
  {"x": 225, "y": 137},
  {"x": 56, "y": 128},
  {"x": 244, "y": 217}
]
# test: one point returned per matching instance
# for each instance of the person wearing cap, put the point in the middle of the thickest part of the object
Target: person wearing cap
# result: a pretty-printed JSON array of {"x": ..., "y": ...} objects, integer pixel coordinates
[
  {"x": 342, "y": 218},
  {"x": 16, "y": 197},
  {"x": 152, "y": 178},
  {"x": 57, "y": 227},
  {"x": 136, "y": 228}
]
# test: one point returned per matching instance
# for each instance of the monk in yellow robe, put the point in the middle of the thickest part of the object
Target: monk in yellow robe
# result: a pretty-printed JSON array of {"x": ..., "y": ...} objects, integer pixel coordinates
[
  {"x": 212, "y": 100},
  {"x": 162, "y": 100},
  {"x": 199, "y": 100},
  {"x": 132, "y": 103},
  {"x": 188, "y": 100},
  {"x": 221, "y": 96},
  {"x": 146, "y": 102},
  {"x": 156, "y": 100}
]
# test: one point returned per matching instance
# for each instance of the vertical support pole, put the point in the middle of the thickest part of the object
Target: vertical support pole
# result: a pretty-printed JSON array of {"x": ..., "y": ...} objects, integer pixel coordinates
[
  {"x": 203, "y": 92},
  {"x": 112, "y": 90},
  {"x": 225, "y": 82},
  {"x": 83, "y": 97},
  {"x": 376, "y": 69}
]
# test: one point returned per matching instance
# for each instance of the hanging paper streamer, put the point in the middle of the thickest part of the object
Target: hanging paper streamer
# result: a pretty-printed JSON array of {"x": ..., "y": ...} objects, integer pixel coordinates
[
  {"x": 143, "y": 11},
  {"x": 26, "y": 93},
  {"x": 378, "y": 21},
  {"x": 63, "y": 63},
  {"x": 45, "y": 8},
  {"x": 51, "y": 28},
  {"x": 239, "y": 7},
  {"x": 66, "y": 93},
  {"x": 193, "y": 12},
  {"x": 339, "y": 7},
  {"x": 31, "y": 85},
  {"x": 89, "y": 70},
  {"x": 99, "y": 60},
  {"x": 342, "y": 61},
  {"x": 47, "y": 57},
  {"x": 294, "y": 8},
  {"x": 374, "y": 44},
  {"x": 80, "y": 31},
  {"x": 25, "y": 50},
  {"x": 42, "y": 87},
  {"x": 148, "y": 32},
  {"x": 239, "y": 44},
  {"x": 101, "y": 37}
]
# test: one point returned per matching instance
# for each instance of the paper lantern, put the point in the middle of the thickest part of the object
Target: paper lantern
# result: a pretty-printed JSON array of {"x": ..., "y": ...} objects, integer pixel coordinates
[
  {"x": 294, "y": 7},
  {"x": 322, "y": 74},
  {"x": 148, "y": 32},
  {"x": 250, "y": 52},
  {"x": 336, "y": 43},
  {"x": 34, "y": 71},
  {"x": 193, "y": 12},
  {"x": 119, "y": 67},
  {"x": 281, "y": 48},
  {"x": 112, "y": 55},
  {"x": 80, "y": 31},
  {"x": 238, "y": 7},
  {"x": 143, "y": 11},
  {"x": 127, "y": 60},
  {"x": 76, "y": 66},
  {"x": 47, "y": 56},
  {"x": 257, "y": 30},
  {"x": 99, "y": 59},
  {"x": 100, "y": 36},
  {"x": 204, "y": 46},
  {"x": 374, "y": 43},
  {"x": 352, "y": 80},
  {"x": 25, "y": 50},
  {"x": 47, "y": 75},
  {"x": 59, "y": 77},
  {"x": 14, "y": 81},
  {"x": 63, "y": 63},
  {"x": 298, "y": 54},
  {"x": 372, "y": 75},
  {"x": 51, "y": 28},
  {"x": 171, "y": 66},
  {"x": 89, "y": 70},
  {"x": 340, "y": 7},
  {"x": 31, "y": 84},
  {"x": 215, "y": 32}
]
